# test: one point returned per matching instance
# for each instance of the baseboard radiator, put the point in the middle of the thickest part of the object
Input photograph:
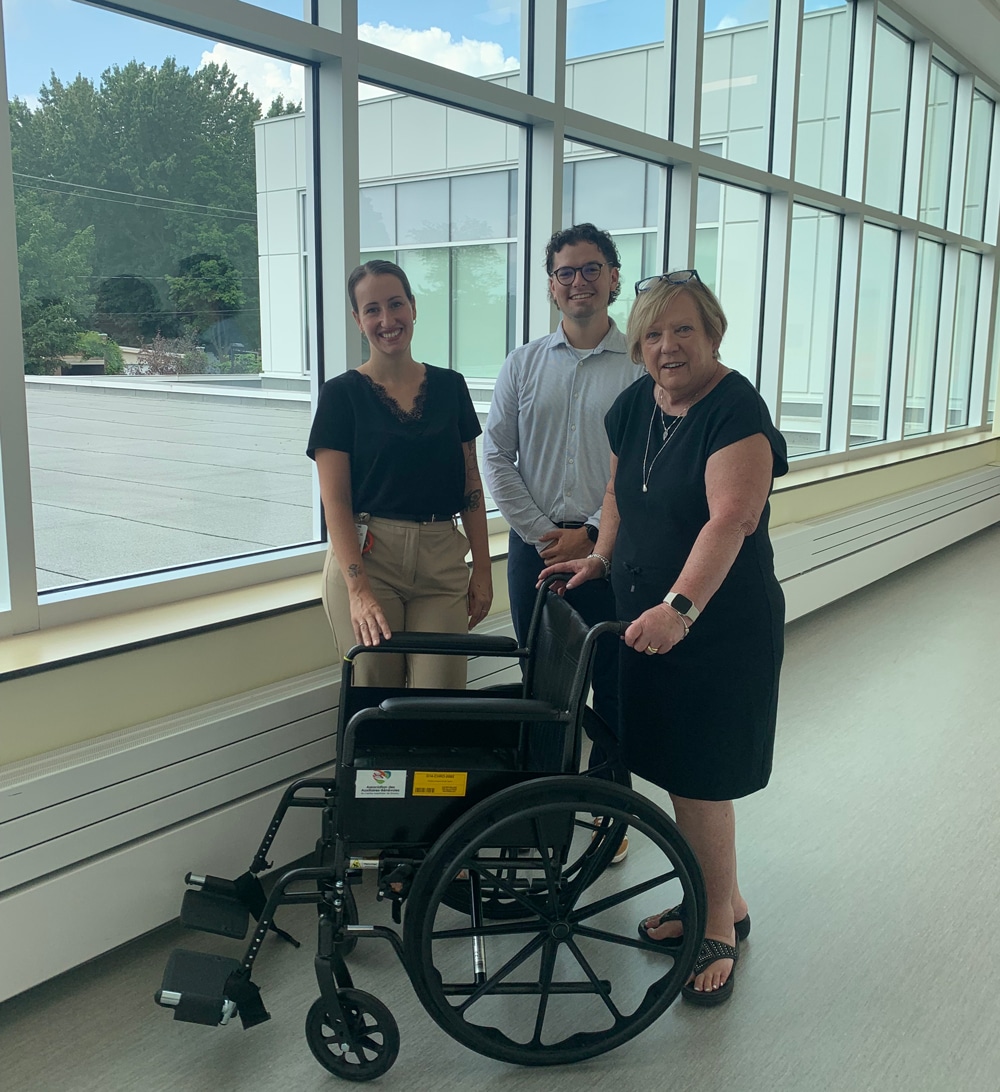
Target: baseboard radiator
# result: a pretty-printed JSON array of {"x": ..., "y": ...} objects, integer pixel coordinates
[{"x": 95, "y": 839}]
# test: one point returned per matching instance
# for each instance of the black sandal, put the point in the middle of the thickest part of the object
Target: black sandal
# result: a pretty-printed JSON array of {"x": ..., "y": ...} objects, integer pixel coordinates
[
  {"x": 676, "y": 913},
  {"x": 711, "y": 952}
]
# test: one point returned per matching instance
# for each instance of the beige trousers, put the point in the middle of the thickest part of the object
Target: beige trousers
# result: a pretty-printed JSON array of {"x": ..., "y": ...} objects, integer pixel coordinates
[{"x": 418, "y": 573}]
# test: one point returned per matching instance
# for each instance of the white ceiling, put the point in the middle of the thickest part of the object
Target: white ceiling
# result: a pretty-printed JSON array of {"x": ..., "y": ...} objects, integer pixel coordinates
[{"x": 970, "y": 27}]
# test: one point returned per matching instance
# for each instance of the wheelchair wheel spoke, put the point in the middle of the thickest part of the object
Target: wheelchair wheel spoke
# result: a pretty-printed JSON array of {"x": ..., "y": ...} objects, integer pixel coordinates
[
  {"x": 511, "y": 965},
  {"x": 599, "y": 987},
  {"x": 545, "y": 981},
  {"x": 621, "y": 897}
]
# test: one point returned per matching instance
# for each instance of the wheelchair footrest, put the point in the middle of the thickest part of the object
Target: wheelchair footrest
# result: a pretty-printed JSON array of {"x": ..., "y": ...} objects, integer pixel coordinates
[
  {"x": 211, "y": 912},
  {"x": 194, "y": 986}
]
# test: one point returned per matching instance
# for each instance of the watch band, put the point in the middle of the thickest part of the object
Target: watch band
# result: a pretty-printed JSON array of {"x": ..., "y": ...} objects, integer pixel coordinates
[{"x": 682, "y": 605}]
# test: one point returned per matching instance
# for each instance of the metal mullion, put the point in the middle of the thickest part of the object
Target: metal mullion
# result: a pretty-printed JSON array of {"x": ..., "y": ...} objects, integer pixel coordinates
[
  {"x": 786, "y": 41},
  {"x": 916, "y": 127},
  {"x": 860, "y": 99},
  {"x": 18, "y": 582},
  {"x": 843, "y": 371},
  {"x": 946, "y": 327},
  {"x": 980, "y": 370},
  {"x": 540, "y": 169},
  {"x": 954, "y": 221},
  {"x": 899, "y": 360},
  {"x": 991, "y": 220},
  {"x": 681, "y": 216},
  {"x": 771, "y": 353},
  {"x": 687, "y": 45}
]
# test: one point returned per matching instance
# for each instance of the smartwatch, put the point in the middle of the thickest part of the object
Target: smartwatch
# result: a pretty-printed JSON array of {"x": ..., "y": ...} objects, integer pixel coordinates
[
  {"x": 592, "y": 531},
  {"x": 682, "y": 605}
]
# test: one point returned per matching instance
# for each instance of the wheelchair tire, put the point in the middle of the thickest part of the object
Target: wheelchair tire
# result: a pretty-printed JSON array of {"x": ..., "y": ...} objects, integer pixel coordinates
[
  {"x": 543, "y": 994},
  {"x": 368, "y": 1018}
]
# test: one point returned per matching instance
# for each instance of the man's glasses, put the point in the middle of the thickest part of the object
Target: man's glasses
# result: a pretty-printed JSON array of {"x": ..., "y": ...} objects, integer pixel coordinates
[
  {"x": 566, "y": 274},
  {"x": 682, "y": 276}
]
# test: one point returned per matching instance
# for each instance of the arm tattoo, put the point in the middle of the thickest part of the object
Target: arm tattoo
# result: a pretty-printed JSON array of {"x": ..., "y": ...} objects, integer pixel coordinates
[
  {"x": 472, "y": 500},
  {"x": 353, "y": 572}
]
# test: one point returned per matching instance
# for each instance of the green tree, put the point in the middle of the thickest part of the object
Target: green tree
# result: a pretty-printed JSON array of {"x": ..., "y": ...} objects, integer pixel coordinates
[
  {"x": 207, "y": 293},
  {"x": 279, "y": 107},
  {"x": 50, "y": 329},
  {"x": 158, "y": 161},
  {"x": 127, "y": 308}
]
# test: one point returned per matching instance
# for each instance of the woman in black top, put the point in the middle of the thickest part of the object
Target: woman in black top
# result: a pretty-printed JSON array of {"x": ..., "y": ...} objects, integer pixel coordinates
[
  {"x": 694, "y": 455},
  {"x": 395, "y": 447}
]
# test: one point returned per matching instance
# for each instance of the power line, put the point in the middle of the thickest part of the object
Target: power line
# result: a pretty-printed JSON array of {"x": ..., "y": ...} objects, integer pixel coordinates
[{"x": 126, "y": 193}]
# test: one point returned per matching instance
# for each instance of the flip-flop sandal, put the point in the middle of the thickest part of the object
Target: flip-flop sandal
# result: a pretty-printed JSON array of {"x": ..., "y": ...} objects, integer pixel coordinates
[
  {"x": 676, "y": 913},
  {"x": 711, "y": 952}
]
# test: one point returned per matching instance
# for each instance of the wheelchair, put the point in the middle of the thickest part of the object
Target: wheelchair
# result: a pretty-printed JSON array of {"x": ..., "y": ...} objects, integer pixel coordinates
[{"x": 492, "y": 852}]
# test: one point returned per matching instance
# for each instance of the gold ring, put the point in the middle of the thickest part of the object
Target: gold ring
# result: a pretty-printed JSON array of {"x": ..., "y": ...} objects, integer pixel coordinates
[{"x": 651, "y": 650}]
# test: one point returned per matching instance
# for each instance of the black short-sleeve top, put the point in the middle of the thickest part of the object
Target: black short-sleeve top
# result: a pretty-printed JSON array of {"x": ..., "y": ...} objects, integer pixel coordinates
[{"x": 408, "y": 465}]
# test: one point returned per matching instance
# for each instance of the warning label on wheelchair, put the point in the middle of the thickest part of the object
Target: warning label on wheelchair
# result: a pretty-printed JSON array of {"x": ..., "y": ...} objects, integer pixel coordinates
[
  {"x": 383, "y": 784},
  {"x": 439, "y": 783}
]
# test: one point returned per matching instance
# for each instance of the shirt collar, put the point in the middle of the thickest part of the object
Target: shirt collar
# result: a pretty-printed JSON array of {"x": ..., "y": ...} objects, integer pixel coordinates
[{"x": 612, "y": 342}]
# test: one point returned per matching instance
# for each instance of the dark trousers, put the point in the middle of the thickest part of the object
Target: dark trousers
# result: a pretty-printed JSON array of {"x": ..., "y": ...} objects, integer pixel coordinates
[{"x": 596, "y": 603}]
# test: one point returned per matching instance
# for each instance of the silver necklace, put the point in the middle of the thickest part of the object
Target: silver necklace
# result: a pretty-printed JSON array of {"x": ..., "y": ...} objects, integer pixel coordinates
[{"x": 668, "y": 432}]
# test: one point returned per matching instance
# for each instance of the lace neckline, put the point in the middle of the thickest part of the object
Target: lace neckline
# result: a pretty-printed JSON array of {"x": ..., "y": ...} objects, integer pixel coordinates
[{"x": 393, "y": 406}]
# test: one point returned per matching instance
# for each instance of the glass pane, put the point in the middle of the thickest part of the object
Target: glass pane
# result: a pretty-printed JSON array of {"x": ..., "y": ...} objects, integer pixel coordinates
[
  {"x": 923, "y": 337},
  {"x": 887, "y": 126},
  {"x": 162, "y": 224},
  {"x": 730, "y": 260},
  {"x": 438, "y": 223},
  {"x": 736, "y": 80},
  {"x": 480, "y": 309},
  {"x": 810, "y": 323},
  {"x": 991, "y": 385},
  {"x": 478, "y": 37},
  {"x": 616, "y": 67},
  {"x": 621, "y": 196},
  {"x": 963, "y": 341},
  {"x": 873, "y": 344},
  {"x": 823, "y": 78},
  {"x": 980, "y": 145},
  {"x": 937, "y": 145}
]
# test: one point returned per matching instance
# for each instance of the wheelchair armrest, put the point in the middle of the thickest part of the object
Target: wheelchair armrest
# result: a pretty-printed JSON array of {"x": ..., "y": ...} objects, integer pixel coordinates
[
  {"x": 453, "y": 644},
  {"x": 492, "y": 709}
]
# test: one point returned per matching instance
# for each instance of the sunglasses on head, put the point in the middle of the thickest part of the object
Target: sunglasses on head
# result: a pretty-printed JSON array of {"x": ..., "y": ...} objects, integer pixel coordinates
[{"x": 682, "y": 276}]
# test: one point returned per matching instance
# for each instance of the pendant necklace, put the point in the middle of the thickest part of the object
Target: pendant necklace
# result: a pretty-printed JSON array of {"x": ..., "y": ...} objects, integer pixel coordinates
[{"x": 668, "y": 432}]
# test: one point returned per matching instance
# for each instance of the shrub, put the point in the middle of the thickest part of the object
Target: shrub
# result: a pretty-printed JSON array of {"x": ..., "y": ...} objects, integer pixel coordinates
[
  {"x": 114, "y": 362},
  {"x": 90, "y": 345}
]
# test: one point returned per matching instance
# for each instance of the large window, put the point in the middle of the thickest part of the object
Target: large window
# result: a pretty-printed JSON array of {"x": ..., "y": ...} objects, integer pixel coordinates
[{"x": 189, "y": 203}]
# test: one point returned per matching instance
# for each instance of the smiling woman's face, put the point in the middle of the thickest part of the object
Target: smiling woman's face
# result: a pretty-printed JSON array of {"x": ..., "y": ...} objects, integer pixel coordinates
[
  {"x": 384, "y": 315},
  {"x": 677, "y": 352}
]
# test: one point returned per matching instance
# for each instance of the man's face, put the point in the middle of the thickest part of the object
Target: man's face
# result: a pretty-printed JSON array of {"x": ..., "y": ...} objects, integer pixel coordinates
[{"x": 582, "y": 299}]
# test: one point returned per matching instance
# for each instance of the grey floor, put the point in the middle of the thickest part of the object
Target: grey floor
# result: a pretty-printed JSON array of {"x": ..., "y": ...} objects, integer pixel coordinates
[{"x": 871, "y": 863}]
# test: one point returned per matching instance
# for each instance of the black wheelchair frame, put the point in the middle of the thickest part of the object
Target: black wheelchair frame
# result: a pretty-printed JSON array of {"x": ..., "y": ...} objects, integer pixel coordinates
[{"x": 498, "y": 849}]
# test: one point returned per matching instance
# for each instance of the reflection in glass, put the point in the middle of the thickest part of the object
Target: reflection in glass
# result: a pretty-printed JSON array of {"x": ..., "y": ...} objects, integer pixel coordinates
[
  {"x": 923, "y": 337},
  {"x": 887, "y": 125},
  {"x": 617, "y": 67},
  {"x": 963, "y": 341},
  {"x": 937, "y": 145},
  {"x": 873, "y": 340},
  {"x": 478, "y": 37},
  {"x": 810, "y": 324},
  {"x": 480, "y": 311},
  {"x": 980, "y": 145},
  {"x": 823, "y": 77},
  {"x": 621, "y": 196},
  {"x": 736, "y": 81},
  {"x": 729, "y": 257}
]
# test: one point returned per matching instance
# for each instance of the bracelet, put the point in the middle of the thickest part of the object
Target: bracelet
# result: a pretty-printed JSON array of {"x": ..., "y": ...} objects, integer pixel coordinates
[
  {"x": 606, "y": 562},
  {"x": 680, "y": 617}
]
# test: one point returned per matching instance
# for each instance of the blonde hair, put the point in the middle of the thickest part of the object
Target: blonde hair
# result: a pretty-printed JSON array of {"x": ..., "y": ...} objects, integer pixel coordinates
[{"x": 649, "y": 305}]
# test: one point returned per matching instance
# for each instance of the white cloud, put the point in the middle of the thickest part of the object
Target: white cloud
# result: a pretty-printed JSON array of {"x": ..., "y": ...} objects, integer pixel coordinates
[
  {"x": 728, "y": 21},
  {"x": 267, "y": 77},
  {"x": 470, "y": 55}
]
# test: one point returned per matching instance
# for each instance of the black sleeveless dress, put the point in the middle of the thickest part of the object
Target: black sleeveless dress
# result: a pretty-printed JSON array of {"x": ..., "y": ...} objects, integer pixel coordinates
[{"x": 699, "y": 720}]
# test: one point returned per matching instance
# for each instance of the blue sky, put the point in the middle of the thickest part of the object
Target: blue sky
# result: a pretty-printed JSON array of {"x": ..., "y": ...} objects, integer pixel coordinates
[{"x": 67, "y": 37}]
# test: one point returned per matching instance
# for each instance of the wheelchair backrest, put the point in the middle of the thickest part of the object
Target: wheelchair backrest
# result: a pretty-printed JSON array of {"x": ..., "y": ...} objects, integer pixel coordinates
[{"x": 561, "y": 656}]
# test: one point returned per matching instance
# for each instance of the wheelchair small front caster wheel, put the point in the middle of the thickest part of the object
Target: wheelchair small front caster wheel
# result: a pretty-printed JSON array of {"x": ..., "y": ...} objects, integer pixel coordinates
[{"x": 373, "y": 1030}]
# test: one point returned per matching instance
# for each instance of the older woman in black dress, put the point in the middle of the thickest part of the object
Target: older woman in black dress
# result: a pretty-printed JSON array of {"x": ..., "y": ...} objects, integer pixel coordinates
[{"x": 684, "y": 538}]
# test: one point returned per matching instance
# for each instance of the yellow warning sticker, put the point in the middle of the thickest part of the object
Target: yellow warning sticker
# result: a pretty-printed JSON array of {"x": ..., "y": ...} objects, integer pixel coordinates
[{"x": 439, "y": 783}]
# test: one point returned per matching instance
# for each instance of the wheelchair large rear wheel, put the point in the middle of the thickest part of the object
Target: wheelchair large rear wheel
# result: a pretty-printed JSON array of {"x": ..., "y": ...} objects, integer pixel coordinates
[{"x": 569, "y": 978}]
